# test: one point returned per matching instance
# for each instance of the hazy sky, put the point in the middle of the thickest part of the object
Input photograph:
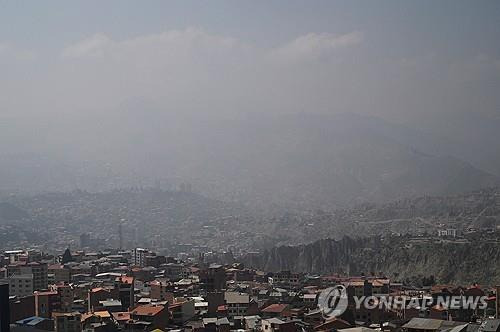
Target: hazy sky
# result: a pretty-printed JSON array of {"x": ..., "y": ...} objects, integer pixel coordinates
[{"x": 397, "y": 59}]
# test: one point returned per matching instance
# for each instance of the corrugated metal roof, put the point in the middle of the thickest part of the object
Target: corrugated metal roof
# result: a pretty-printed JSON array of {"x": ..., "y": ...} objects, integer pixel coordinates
[{"x": 423, "y": 324}]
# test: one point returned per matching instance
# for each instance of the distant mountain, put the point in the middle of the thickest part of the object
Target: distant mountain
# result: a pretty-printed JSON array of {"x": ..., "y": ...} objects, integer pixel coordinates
[
  {"x": 302, "y": 161},
  {"x": 395, "y": 257},
  {"x": 325, "y": 161},
  {"x": 473, "y": 137}
]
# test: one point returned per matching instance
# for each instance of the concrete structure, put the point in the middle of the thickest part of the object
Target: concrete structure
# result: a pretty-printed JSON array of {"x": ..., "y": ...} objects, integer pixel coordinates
[
  {"x": 66, "y": 296},
  {"x": 46, "y": 303},
  {"x": 236, "y": 303},
  {"x": 181, "y": 311},
  {"x": 4, "y": 308},
  {"x": 213, "y": 278},
  {"x": 21, "y": 307},
  {"x": 151, "y": 316},
  {"x": 20, "y": 284},
  {"x": 160, "y": 291},
  {"x": 67, "y": 322},
  {"x": 448, "y": 232},
  {"x": 125, "y": 287},
  {"x": 38, "y": 270},
  {"x": 139, "y": 256}
]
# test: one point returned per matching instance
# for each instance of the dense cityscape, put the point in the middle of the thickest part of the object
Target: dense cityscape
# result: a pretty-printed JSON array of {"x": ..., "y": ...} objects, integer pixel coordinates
[
  {"x": 137, "y": 290},
  {"x": 249, "y": 166},
  {"x": 205, "y": 270}
]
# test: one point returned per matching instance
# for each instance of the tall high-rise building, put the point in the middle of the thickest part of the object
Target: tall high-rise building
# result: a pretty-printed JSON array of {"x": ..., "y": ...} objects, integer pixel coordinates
[
  {"x": 213, "y": 278},
  {"x": 20, "y": 284},
  {"x": 120, "y": 236},
  {"x": 139, "y": 256},
  {"x": 125, "y": 287},
  {"x": 4, "y": 308},
  {"x": 85, "y": 240},
  {"x": 38, "y": 270}
]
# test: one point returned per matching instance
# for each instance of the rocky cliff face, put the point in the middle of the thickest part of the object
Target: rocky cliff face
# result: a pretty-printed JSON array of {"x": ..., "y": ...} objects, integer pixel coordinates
[{"x": 396, "y": 257}]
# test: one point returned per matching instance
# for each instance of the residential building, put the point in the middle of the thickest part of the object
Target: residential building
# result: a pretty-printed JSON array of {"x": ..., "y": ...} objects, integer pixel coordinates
[
  {"x": 125, "y": 287},
  {"x": 4, "y": 307},
  {"x": 20, "y": 284},
  {"x": 139, "y": 256},
  {"x": 150, "y": 315},
  {"x": 95, "y": 295},
  {"x": 38, "y": 270},
  {"x": 236, "y": 303},
  {"x": 21, "y": 307},
  {"x": 213, "y": 278},
  {"x": 448, "y": 232},
  {"x": 285, "y": 278},
  {"x": 160, "y": 290},
  {"x": 418, "y": 324},
  {"x": 66, "y": 296},
  {"x": 181, "y": 310},
  {"x": 276, "y": 310},
  {"x": 59, "y": 273},
  {"x": 278, "y": 325},
  {"x": 46, "y": 303},
  {"x": 67, "y": 322}
]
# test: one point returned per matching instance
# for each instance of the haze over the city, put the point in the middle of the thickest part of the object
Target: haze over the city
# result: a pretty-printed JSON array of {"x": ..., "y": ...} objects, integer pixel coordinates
[
  {"x": 332, "y": 102},
  {"x": 250, "y": 166}
]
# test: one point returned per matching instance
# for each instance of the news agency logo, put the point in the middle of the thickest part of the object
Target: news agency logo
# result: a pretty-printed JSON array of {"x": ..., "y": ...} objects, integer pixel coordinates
[{"x": 332, "y": 302}]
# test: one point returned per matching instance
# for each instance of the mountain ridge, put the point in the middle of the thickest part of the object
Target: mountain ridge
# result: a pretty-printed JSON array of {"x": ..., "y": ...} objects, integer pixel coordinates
[{"x": 298, "y": 161}]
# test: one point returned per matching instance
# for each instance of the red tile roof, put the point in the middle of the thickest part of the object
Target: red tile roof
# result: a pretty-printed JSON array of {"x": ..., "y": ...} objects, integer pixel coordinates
[
  {"x": 275, "y": 308},
  {"x": 439, "y": 308},
  {"x": 121, "y": 316},
  {"x": 147, "y": 310},
  {"x": 55, "y": 266},
  {"x": 126, "y": 280},
  {"x": 327, "y": 326},
  {"x": 97, "y": 289}
]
